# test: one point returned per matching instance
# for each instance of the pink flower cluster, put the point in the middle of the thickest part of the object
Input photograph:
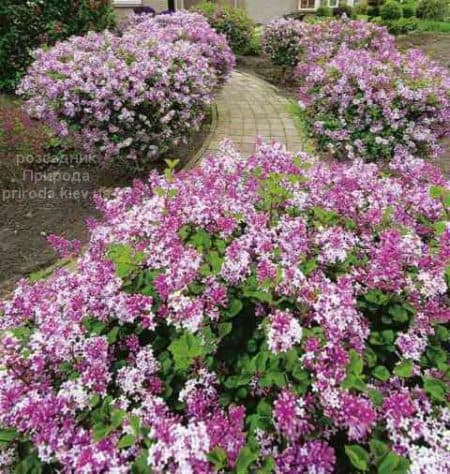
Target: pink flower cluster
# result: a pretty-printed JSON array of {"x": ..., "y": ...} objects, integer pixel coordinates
[
  {"x": 292, "y": 42},
  {"x": 131, "y": 96},
  {"x": 192, "y": 27},
  {"x": 303, "y": 244},
  {"x": 362, "y": 103}
]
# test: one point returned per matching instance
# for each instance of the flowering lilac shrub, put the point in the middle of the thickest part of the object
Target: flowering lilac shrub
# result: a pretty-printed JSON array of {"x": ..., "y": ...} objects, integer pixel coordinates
[
  {"x": 270, "y": 314},
  {"x": 132, "y": 96},
  {"x": 281, "y": 41},
  {"x": 291, "y": 42},
  {"x": 191, "y": 27},
  {"x": 361, "y": 104}
]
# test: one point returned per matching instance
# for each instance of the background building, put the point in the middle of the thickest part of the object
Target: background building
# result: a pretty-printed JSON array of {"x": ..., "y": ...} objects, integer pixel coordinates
[{"x": 261, "y": 11}]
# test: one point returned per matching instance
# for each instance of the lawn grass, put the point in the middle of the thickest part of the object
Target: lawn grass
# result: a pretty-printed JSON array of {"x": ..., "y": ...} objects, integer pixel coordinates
[{"x": 434, "y": 26}]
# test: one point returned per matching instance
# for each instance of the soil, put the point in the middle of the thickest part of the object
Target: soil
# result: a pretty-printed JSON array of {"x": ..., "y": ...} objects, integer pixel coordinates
[{"x": 38, "y": 199}]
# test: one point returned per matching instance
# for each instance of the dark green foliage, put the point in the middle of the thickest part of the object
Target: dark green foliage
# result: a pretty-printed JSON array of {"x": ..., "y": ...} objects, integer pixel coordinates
[
  {"x": 437, "y": 10},
  {"x": 342, "y": 10},
  {"x": 374, "y": 7},
  {"x": 25, "y": 26},
  {"x": 408, "y": 11},
  {"x": 234, "y": 23},
  {"x": 401, "y": 26},
  {"x": 324, "y": 12},
  {"x": 392, "y": 10}
]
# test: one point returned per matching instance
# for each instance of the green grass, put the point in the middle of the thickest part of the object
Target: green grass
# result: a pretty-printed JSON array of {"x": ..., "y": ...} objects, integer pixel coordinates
[
  {"x": 302, "y": 127},
  {"x": 434, "y": 26}
]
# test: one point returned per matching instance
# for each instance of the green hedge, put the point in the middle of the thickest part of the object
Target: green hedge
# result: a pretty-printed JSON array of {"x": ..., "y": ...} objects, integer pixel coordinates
[
  {"x": 391, "y": 10},
  {"x": 25, "y": 26},
  {"x": 436, "y": 10}
]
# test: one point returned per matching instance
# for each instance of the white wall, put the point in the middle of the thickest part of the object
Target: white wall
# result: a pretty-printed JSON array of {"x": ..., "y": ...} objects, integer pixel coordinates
[{"x": 263, "y": 11}]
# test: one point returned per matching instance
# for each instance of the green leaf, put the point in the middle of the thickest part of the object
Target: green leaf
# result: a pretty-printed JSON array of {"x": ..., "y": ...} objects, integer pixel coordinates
[
  {"x": 269, "y": 466},
  {"x": 389, "y": 463},
  {"x": 112, "y": 335},
  {"x": 215, "y": 261},
  {"x": 435, "y": 388},
  {"x": 245, "y": 459},
  {"x": 399, "y": 313},
  {"x": 381, "y": 373},
  {"x": 185, "y": 349},
  {"x": 201, "y": 240},
  {"x": 117, "y": 417},
  {"x": 356, "y": 363},
  {"x": 440, "y": 227},
  {"x": 140, "y": 466},
  {"x": 125, "y": 259},
  {"x": 376, "y": 397},
  {"x": 261, "y": 361},
  {"x": 126, "y": 441},
  {"x": 404, "y": 369},
  {"x": 259, "y": 295},
  {"x": 352, "y": 381},
  {"x": 6, "y": 436},
  {"x": 100, "y": 431},
  {"x": 218, "y": 457},
  {"x": 378, "y": 449},
  {"x": 225, "y": 329},
  {"x": 234, "y": 308},
  {"x": 358, "y": 456},
  {"x": 436, "y": 192}
]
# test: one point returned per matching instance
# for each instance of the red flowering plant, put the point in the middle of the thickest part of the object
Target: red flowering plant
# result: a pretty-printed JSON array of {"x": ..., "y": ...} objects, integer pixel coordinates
[{"x": 269, "y": 314}]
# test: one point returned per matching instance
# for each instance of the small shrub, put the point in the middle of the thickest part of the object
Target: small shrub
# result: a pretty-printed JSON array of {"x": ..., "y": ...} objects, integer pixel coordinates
[
  {"x": 255, "y": 46},
  {"x": 25, "y": 26},
  {"x": 287, "y": 42},
  {"x": 391, "y": 10},
  {"x": 364, "y": 105},
  {"x": 324, "y": 12},
  {"x": 331, "y": 35},
  {"x": 343, "y": 10},
  {"x": 280, "y": 41},
  {"x": 234, "y": 23},
  {"x": 402, "y": 26},
  {"x": 374, "y": 7},
  {"x": 437, "y": 10},
  {"x": 361, "y": 8},
  {"x": 270, "y": 314},
  {"x": 409, "y": 10}
]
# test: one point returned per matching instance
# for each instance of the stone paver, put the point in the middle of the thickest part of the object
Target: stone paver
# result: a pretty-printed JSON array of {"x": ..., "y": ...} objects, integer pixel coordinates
[{"x": 248, "y": 107}]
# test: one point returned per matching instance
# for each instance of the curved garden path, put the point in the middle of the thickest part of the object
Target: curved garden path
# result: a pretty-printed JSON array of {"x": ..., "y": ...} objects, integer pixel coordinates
[{"x": 248, "y": 107}]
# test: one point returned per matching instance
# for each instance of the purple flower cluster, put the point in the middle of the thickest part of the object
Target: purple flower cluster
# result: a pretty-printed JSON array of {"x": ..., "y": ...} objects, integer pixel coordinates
[
  {"x": 131, "y": 96},
  {"x": 192, "y": 27},
  {"x": 318, "y": 270},
  {"x": 292, "y": 42},
  {"x": 362, "y": 103}
]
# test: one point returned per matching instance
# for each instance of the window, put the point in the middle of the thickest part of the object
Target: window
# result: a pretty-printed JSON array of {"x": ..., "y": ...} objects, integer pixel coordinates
[
  {"x": 333, "y": 3},
  {"x": 306, "y": 4},
  {"x": 127, "y": 3}
]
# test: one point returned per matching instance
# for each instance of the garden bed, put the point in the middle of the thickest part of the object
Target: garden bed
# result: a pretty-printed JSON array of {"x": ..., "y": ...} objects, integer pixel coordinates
[{"x": 38, "y": 200}]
